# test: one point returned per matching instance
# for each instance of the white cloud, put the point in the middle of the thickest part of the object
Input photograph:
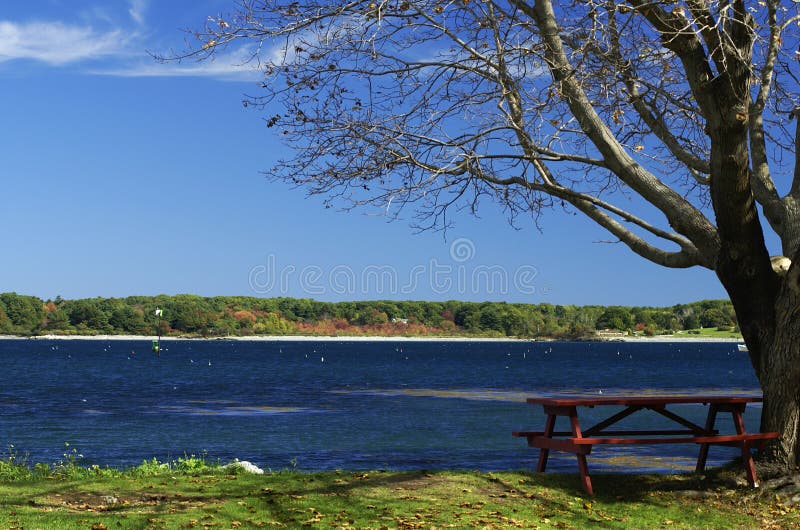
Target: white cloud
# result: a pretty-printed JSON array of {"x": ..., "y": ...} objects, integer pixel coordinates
[
  {"x": 137, "y": 9},
  {"x": 56, "y": 43},
  {"x": 237, "y": 65},
  {"x": 115, "y": 51}
]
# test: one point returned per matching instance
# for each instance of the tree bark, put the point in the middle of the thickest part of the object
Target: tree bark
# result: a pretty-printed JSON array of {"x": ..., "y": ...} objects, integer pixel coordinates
[
  {"x": 743, "y": 264},
  {"x": 779, "y": 375},
  {"x": 766, "y": 304}
]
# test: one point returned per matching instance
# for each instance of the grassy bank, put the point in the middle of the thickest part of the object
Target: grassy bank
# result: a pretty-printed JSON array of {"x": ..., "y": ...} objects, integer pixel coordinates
[
  {"x": 709, "y": 333},
  {"x": 189, "y": 494}
]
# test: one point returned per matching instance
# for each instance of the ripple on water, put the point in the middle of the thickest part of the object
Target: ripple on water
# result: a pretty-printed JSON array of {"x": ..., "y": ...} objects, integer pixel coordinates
[
  {"x": 473, "y": 395},
  {"x": 522, "y": 395},
  {"x": 236, "y": 410},
  {"x": 95, "y": 412}
]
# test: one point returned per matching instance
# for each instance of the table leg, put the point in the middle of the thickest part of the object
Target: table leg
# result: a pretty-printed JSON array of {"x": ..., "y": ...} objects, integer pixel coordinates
[
  {"x": 548, "y": 433},
  {"x": 586, "y": 480},
  {"x": 583, "y": 468},
  {"x": 710, "y": 420},
  {"x": 747, "y": 455}
]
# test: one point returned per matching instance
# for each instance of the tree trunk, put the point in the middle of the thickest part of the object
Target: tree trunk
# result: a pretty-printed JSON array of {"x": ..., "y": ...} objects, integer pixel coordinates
[
  {"x": 779, "y": 376},
  {"x": 766, "y": 304}
]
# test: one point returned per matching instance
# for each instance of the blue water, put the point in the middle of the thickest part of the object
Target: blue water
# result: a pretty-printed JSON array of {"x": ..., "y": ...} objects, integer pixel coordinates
[{"x": 342, "y": 405}]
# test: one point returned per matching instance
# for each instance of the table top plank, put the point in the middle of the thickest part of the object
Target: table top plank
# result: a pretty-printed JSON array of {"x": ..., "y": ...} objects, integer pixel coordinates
[{"x": 644, "y": 401}]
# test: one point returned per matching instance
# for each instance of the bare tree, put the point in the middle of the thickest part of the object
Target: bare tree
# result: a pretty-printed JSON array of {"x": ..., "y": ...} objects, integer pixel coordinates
[{"x": 667, "y": 122}]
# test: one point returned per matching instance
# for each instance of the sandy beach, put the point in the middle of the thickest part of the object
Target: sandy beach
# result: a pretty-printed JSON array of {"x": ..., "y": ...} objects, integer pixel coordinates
[
  {"x": 284, "y": 338},
  {"x": 273, "y": 338}
]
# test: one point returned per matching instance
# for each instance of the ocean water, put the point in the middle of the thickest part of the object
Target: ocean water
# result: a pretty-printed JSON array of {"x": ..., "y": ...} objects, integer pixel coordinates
[{"x": 345, "y": 405}]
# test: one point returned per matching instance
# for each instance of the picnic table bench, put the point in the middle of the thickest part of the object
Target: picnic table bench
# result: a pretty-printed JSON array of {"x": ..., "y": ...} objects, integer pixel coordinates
[{"x": 580, "y": 442}]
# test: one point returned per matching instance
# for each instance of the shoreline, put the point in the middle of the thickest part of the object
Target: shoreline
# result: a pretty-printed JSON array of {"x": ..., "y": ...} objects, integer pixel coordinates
[
  {"x": 359, "y": 338},
  {"x": 681, "y": 338}
]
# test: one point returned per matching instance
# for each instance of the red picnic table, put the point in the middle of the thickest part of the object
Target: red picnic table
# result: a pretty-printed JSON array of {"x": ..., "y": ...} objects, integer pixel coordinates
[{"x": 580, "y": 441}]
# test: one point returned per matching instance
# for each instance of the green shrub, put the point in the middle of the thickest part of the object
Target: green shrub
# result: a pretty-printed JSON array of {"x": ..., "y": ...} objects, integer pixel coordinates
[
  {"x": 192, "y": 464},
  {"x": 149, "y": 468},
  {"x": 14, "y": 467}
]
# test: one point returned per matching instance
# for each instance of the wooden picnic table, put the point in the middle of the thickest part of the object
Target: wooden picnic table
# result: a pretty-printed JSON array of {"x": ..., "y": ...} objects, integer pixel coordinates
[{"x": 580, "y": 441}]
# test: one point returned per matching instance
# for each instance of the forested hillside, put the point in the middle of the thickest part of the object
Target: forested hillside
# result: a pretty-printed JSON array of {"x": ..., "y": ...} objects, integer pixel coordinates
[{"x": 241, "y": 316}]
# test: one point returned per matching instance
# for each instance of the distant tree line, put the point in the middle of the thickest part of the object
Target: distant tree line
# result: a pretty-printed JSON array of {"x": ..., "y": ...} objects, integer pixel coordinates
[{"x": 241, "y": 316}]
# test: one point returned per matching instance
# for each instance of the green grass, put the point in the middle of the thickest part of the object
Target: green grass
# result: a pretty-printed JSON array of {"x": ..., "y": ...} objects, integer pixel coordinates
[
  {"x": 195, "y": 495},
  {"x": 710, "y": 333}
]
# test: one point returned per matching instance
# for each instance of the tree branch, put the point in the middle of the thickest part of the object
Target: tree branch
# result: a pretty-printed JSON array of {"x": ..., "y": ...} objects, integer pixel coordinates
[
  {"x": 678, "y": 37},
  {"x": 594, "y": 208},
  {"x": 681, "y": 215},
  {"x": 761, "y": 180},
  {"x": 653, "y": 120}
]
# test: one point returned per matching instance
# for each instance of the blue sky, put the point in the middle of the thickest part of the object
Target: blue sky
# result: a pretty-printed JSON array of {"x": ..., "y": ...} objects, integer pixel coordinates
[{"x": 122, "y": 176}]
